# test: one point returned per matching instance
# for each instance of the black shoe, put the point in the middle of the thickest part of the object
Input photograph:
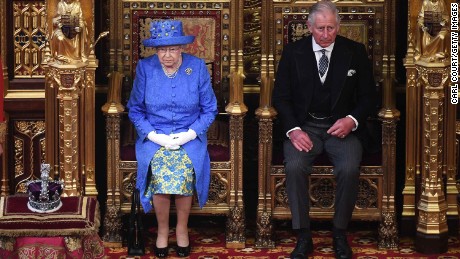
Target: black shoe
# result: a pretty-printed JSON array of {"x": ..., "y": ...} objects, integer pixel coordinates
[
  {"x": 341, "y": 248},
  {"x": 183, "y": 251},
  {"x": 302, "y": 248},
  {"x": 161, "y": 252}
]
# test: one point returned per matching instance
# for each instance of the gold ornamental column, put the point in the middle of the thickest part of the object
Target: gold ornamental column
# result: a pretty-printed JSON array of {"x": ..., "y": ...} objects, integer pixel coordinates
[
  {"x": 70, "y": 66},
  {"x": 265, "y": 113},
  {"x": 236, "y": 225},
  {"x": 413, "y": 127},
  {"x": 66, "y": 81},
  {"x": 432, "y": 231},
  {"x": 429, "y": 194},
  {"x": 87, "y": 123}
]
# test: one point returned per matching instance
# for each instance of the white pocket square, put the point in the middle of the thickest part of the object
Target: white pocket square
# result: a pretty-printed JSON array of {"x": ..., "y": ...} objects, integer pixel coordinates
[{"x": 351, "y": 72}]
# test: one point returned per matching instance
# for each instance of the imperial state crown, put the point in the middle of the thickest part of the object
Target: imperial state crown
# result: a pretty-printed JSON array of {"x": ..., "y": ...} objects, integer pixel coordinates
[{"x": 44, "y": 194}]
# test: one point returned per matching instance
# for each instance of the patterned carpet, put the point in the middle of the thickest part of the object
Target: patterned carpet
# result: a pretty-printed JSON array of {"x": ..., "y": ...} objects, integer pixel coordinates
[{"x": 208, "y": 242}]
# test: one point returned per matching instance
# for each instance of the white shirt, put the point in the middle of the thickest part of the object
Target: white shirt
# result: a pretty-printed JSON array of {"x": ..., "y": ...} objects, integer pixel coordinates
[{"x": 317, "y": 50}]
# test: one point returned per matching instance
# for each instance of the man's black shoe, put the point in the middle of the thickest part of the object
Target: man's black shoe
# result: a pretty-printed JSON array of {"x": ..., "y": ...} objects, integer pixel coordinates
[
  {"x": 302, "y": 249},
  {"x": 341, "y": 248}
]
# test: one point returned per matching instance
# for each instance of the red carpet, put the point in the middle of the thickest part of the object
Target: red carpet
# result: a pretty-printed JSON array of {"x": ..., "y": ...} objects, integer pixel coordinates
[{"x": 208, "y": 242}]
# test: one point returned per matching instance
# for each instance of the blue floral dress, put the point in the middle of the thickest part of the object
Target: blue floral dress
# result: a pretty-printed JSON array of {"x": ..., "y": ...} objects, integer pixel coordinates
[{"x": 172, "y": 173}]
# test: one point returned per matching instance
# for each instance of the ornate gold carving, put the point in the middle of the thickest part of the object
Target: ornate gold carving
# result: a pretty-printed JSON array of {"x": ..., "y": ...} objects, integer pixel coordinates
[
  {"x": 252, "y": 41},
  {"x": 220, "y": 165},
  {"x": 236, "y": 226},
  {"x": 264, "y": 232},
  {"x": 218, "y": 133},
  {"x": 368, "y": 193},
  {"x": 18, "y": 157},
  {"x": 354, "y": 31},
  {"x": 43, "y": 150},
  {"x": 218, "y": 188},
  {"x": 22, "y": 187},
  {"x": 112, "y": 224},
  {"x": 7, "y": 243},
  {"x": 388, "y": 231},
  {"x": 432, "y": 205},
  {"x": 281, "y": 199},
  {"x": 265, "y": 131},
  {"x": 29, "y": 38},
  {"x": 73, "y": 243},
  {"x": 3, "y": 131},
  {"x": 322, "y": 192},
  {"x": 236, "y": 127},
  {"x": 112, "y": 126},
  {"x": 389, "y": 130},
  {"x": 128, "y": 183},
  {"x": 31, "y": 130}
]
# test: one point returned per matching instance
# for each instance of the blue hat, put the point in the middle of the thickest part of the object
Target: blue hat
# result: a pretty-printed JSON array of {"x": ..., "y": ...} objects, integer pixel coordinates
[{"x": 167, "y": 33}]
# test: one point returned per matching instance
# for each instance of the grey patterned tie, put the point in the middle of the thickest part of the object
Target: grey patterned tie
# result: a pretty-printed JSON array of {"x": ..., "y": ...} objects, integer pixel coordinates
[{"x": 323, "y": 63}]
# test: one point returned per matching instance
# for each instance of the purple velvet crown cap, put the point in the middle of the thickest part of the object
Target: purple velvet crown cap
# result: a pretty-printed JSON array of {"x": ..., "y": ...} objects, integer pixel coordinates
[{"x": 35, "y": 188}]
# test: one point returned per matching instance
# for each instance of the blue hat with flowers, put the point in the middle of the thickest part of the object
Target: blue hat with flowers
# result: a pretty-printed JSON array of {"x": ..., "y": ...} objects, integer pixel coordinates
[{"x": 167, "y": 33}]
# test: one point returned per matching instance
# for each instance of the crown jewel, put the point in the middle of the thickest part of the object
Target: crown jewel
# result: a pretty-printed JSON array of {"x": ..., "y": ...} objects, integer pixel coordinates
[{"x": 44, "y": 194}]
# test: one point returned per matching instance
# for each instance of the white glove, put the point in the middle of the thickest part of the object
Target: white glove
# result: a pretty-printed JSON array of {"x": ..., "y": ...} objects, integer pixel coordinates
[
  {"x": 161, "y": 139},
  {"x": 183, "y": 137}
]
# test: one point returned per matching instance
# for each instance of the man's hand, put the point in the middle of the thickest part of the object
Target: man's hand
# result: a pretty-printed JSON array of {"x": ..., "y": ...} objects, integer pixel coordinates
[
  {"x": 342, "y": 127},
  {"x": 183, "y": 137},
  {"x": 300, "y": 140},
  {"x": 161, "y": 139}
]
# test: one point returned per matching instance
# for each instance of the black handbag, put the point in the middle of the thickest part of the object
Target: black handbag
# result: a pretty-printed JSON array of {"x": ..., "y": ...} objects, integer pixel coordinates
[{"x": 136, "y": 244}]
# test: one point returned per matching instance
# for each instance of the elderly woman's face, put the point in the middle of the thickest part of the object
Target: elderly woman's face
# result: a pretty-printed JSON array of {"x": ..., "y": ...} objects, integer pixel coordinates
[{"x": 170, "y": 55}]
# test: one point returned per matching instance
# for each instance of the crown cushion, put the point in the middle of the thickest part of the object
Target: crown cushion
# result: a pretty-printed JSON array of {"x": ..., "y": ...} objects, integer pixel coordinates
[{"x": 78, "y": 215}]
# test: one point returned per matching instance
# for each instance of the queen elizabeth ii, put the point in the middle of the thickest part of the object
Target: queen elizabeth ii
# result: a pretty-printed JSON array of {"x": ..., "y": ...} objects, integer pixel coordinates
[{"x": 172, "y": 105}]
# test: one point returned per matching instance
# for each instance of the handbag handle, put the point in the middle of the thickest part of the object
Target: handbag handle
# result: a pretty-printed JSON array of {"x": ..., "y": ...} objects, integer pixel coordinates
[
  {"x": 133, "y": 202},
  {"x": 137, "y": 217},
  {"x": 138, "y": 202}
]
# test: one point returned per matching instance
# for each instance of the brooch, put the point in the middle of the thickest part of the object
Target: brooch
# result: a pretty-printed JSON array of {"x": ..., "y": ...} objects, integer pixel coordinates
[{"x": 188, "y": 71}]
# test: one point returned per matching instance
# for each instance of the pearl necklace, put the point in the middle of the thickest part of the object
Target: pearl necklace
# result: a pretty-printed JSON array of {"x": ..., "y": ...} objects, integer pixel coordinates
[{"x": 172, "y": 74}]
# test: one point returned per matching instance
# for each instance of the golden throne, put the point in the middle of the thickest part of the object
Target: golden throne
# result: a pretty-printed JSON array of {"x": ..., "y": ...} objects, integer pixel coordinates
[
  {"x": 367, "y": 22},
  {"x": 213, "y": 23}
]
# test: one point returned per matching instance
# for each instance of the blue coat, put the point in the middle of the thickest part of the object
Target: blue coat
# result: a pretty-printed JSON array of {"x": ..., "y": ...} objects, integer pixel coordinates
[{"x": 168, "y": 106}]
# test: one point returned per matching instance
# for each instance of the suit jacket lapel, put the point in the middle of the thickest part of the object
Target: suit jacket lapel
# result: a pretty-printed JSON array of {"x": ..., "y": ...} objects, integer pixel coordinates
[
  {"x": 340, "y": 63},
  {"x": 307, "y": 70}
]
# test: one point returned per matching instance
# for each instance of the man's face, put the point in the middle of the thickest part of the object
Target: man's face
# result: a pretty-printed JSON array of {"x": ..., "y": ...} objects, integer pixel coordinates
[{"x": 324, "y": 29}]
